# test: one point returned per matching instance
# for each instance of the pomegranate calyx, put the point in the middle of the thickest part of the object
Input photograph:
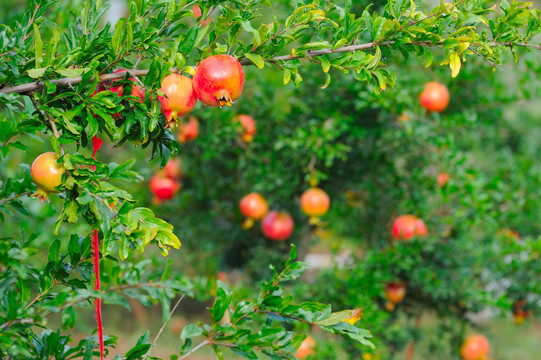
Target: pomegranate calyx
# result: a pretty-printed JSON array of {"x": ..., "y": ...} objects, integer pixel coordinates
[{"x": 224, "y": 98}]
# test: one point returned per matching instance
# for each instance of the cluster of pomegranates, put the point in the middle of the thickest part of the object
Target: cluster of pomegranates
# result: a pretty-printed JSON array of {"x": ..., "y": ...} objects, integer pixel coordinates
[
  {"x": 278, "y": 225},
  {"x": 166, "y": 182},
  {"x": 217, "y": 81}
]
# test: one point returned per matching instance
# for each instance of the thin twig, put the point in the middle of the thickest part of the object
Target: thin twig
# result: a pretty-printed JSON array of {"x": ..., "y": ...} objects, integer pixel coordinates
[
  {"x": 204, "y": 343},
  {"x": 55, "y": 131},
  {"x": 163, "y": 327},
  {"x": 8, "y": 199}
]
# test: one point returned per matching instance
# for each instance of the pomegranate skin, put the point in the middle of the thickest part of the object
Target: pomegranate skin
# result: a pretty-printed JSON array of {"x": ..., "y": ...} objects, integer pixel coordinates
[
  {"x": 315, "y": 202},
  {"x": 248, "y": 123},
  {"x": 162, "y": 187},
  {"x": 442, "y": 179},
  {"x": 179, "y": 100},
  {"x": 395, "y": 292},
  {"x": 173, "y": 169},
  {"x": 277, "y": 226},
  {"x": 306, "y": 348},
  {"x": 435, "y": 97},
  {"x": 46, "y": 173},
  {"x": 406, "y": 227},
  {"x": 254, "y": 206},
  {"x": 475, "y": 347},
  {"x": 218, "y": 80},
  {"x": 188, "y": 131}
]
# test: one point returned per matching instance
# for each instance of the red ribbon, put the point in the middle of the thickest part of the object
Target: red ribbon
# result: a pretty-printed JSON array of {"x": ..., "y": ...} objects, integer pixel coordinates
[{"x": 96, "y": 144}]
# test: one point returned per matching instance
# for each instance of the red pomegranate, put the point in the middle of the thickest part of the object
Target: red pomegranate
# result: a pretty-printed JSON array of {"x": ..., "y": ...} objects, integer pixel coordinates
[
  {"x": 248, "y": 123},
  {"x": 443, "y": 177},
  {"x": 277, "y": 226},
  {"x": 197, "y": 14},
  {"x": 179, "y": 99},
  {"x": 475, "y": 347},
  {"x": 315, "y": 202},
  {"x": 254, "y": 205},
  {"x": 307, "y": 348},
  {"x": 435, "y": 97},
  {"x": 218, "y": 80},
  {"x": 46, "y": 173},
  {"x": 173, "y": 169},
  {"x": 188, "y": 131},
  {"x": 406, "y": 227},
  {"x": 162, "y": 187},
  {"x": 136, "y": 91}
]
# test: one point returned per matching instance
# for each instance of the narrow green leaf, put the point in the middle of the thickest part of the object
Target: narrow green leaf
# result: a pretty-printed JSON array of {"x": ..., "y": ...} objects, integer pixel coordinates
[
  {"x": 256, "y": 59},
  {"x": 38, "y": 46}
]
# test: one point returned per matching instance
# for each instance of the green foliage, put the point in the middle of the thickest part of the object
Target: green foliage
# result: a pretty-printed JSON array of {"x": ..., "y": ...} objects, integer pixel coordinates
[{"x": 357, "y": 70}]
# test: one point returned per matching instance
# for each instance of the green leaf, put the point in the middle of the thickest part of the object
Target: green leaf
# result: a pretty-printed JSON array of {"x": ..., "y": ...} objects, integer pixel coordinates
[
  {"x": 190, "y": 331},
  {"x": 325, "y": 64},
  {"x": 37, "y": 73},
  {"x": 256, "y": 59},
  {"x": 54, "y": 251},
  {"x": 118, "y": 36},
  {"x": 38, "y": 46},
  {"x": 71, "y": 73},
  {"x": 247, "y": 26}
]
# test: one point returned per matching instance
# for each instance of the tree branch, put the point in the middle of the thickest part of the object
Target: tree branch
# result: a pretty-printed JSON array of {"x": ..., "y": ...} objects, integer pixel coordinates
[{"x": 36, "y": 85}]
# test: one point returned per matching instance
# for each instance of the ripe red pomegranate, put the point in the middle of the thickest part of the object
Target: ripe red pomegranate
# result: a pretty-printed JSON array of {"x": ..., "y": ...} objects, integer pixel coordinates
[
  {"x": 173, "y": 169},
  {"x": 136, "y": 91},
  {"x": 406, "y": 227},
  {"x": 254, "y": 207},
  {"x": 47, "y": 174},
  {"x": 179, "y": 99},
  {"x": 315, "y": 202},
  {"x": 307, "y": 348},
  {"x": 162, "y": 187},
  {"x": 475, "y": 347},
  {"x": 435, "y": 97},
  {"x": 218, "y": 80},
  {"x": 197, "y": 13},
  {"x": 248, "y": 123},
  {"x": 443, "y": 177},
  {"x": 277, "y": 226},
  {"x": 188, "y": 131}
]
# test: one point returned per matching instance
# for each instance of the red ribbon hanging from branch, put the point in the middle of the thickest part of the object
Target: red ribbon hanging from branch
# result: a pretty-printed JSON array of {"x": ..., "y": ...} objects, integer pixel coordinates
[{"x": 96, "y": 144}]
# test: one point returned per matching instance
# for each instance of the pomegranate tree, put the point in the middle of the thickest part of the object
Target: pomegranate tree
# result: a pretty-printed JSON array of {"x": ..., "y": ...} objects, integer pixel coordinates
[
  {"x": 248, "y": 123},
  {"x": 435, "y": 97},
  {"x": 405, "y": 227},
  {"x": 188, "y": 131},
  {"x": 179, "y": 99},
  {"x": 47, "y": 174},
  {"x": 254, "y": 207},
  {"x": 315, "y": 203},
  {"x": 277, "y": 225},
  {"x": 163, "y": 188},
  {"x": 475, "y": 347},
  {"x": 218, "y": 80}
]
